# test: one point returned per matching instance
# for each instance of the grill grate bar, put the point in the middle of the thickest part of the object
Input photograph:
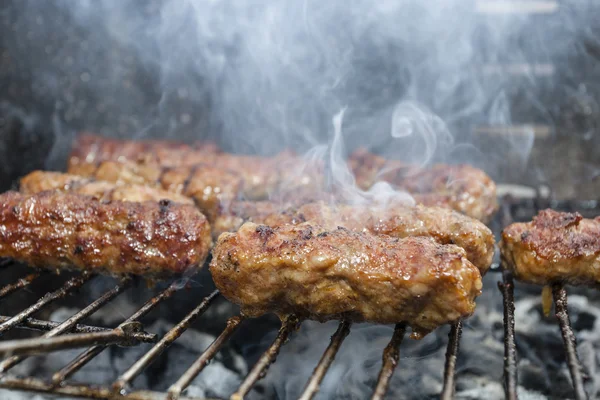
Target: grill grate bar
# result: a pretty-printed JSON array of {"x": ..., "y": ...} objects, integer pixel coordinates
[
  {"x": 70, "y": 285},
  {"x": 21, "y": 283},
  {"x": 75, "y": 390},
  {"x": 510, "y": 347},
  {"x": 184, "y": 381},
  {"x": 451, "y": 355},
  {"x": 391, "y": 355},
  {"x": 47, "y": 344},
  {"x": 289, "y": 324},
  {"x": 92, "y": 352},
  {"x": 68, "y": 324},
  {"x": 570, "y": 342},
  {"x": 338, "y": 337},
  {"x": 165, "y": 342},
  {"x": 40, "y": 325}
]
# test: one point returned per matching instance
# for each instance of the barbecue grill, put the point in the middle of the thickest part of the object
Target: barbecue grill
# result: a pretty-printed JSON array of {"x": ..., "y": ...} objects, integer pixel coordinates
[{"x": 94, "y": 339}]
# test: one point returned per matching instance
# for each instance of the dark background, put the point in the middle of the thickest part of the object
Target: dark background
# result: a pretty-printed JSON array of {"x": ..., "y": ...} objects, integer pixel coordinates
[{"x": 59, "y": 76}]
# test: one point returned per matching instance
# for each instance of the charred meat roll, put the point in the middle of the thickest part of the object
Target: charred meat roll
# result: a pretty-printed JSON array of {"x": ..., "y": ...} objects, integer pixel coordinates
[
  {"x": 460, "y": 187},
  {"x": 64, "y": 230},
  {"x": 443, "y": 225},
  {"x": 555, "y": 247},
  {"x": 40, "y": 181},
  {"x": 330, "y": 274}
]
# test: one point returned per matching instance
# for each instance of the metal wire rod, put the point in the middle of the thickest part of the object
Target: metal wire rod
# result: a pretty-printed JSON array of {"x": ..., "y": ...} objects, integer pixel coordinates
[
  {"x": 184, "y": 381},
  {"x": 78, "y": 390},
  {"x": 44, "y": 345},
  {"x": 391, "y": 355},
  {"x": 450, "y": 366},
  {"x": 70, "y": 285},
  {"x": 82, "y": 359},
  {"x": 165, "y": 342},
  {"x": 21, "y": 283},
  {"x": 289, "y": 324},
  {"x": 338, "y": 337},
  {"x": 68, "y": 324},
  {"x": 40, "y": 325},
  {"x": 575, "y": 367},
  {"x": 510, "y": 347}
]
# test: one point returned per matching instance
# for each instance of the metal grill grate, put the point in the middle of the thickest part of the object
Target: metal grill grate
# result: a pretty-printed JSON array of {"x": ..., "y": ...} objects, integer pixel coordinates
[{"x": 71, "y": 334}]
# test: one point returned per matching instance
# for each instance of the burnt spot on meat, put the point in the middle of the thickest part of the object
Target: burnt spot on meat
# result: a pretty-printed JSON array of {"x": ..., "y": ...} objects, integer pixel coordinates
[
  {"x": 323, "y": 234},
  {"x": 264, "y": 231},
  {"x": 164, "y": 205},
  {"x": 306, "y": 233},
  {"x": 78, "y": 250},
  {"x": 525, "y": 235},
  {"x": 16, "y": 210}
]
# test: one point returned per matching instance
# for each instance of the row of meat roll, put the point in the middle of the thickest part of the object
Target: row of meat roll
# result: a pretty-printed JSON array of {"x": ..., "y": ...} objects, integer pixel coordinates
[{"x": 155, "y": 208}]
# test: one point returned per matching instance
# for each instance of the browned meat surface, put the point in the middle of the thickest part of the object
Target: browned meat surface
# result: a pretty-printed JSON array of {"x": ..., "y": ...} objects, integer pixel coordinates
[
  {"x": 443, "y": 225},
  {"x": 461, "y": 187},
  {"x": 89, "y": 148},
  {"x": 554, "y": 247},
  {"x": 64, "y": 230},
  {"x": 329, "y": 274},
  {"x": 228, "y": 177},
  {"x": 40, "y": 181},
  {"x": 207, "y": 185}
]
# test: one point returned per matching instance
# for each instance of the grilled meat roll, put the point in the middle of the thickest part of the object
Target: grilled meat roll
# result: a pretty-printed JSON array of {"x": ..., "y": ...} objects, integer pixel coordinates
[
  {"x": 461, "y": 187},
  {"x": 89, "y": 148},
  {"x": 40, "y": 181},
  {"x": 400, "y": 221},
  {"x": 208, "y": 186},
  {"x": 329, "y": 274},
  {"x": 554, "y": 247},
  {"x": 64, "y": 230},
  {"x": 228, "y": 178}
]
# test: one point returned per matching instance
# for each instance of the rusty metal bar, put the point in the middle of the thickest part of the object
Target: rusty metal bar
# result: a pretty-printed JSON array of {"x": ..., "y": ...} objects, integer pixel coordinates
[
  {"x": 68, "y": 324},
  {"x": 562, "y": 314},
  {"x": 510, "y": 347},
  {"x": 184, "y": 381},
  {"x": 46, "y": 344},
  {"x": 92, "y": 352},
  {"x": 338, "y": 337},
  {"x": 40, "y": 325},
  {"x": 451, "y": 355},
  {"x": 70, "y": 285},
  {"x": 21, "y": 283},
  {"x": 90, "y": 392},
  {"x": 391, "y": 355},
  {"x": 165, "y": 342},
  {"x": 289, "y": 324}
]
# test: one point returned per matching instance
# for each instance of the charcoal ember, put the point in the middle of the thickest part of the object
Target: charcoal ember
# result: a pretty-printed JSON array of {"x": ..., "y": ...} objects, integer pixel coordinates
[{"x": 542, "y": 360}]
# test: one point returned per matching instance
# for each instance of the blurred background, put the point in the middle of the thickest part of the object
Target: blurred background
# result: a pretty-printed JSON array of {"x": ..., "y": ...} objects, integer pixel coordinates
[{"x": 510, "y": 86}]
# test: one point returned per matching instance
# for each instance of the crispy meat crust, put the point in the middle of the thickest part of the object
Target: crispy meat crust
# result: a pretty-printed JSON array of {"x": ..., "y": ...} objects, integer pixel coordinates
[
  {"x": 461, "y": 187},
  {"x": 554, "y": 247},
  {"x": 63, "y": 230},
  {"x": 443, "y": 225},
  {"x": 40, "y": 181},
  {"x": 329, "y": 274}
]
